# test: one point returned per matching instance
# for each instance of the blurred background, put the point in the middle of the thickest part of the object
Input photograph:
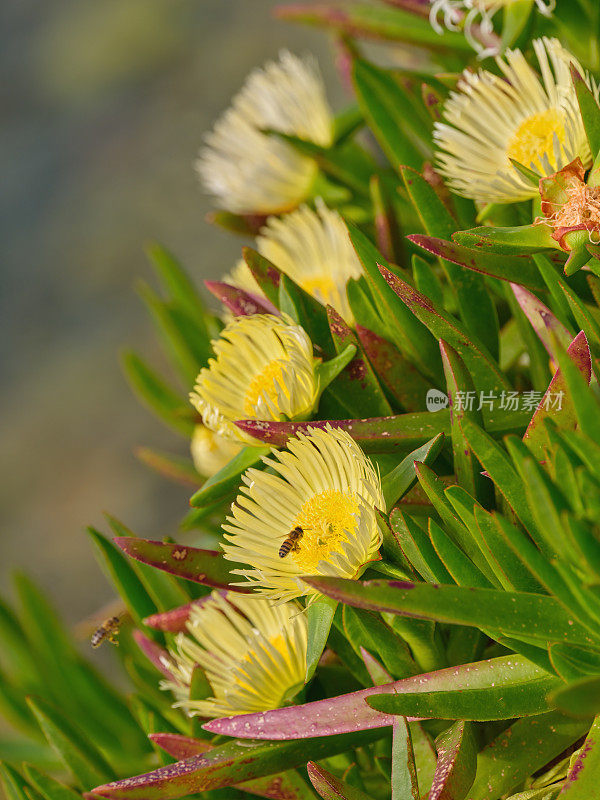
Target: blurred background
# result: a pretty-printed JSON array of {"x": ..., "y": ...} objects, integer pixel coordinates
[{"x": 104, "y": 106}]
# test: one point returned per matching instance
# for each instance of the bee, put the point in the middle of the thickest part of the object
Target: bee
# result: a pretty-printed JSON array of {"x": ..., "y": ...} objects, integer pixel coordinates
[
  {"x": 108, "y": 631},
  {"x": 291, "y": 543}
]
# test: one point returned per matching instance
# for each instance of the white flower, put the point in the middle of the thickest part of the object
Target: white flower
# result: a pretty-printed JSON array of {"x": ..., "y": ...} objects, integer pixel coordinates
[
  {"x": 475, "y": 19},
  {"x": 251, "y": 172},
  {"x": 489, "y": 120},
  {"x": 313, "y": 248},
  {"x": 324, "y": 484},
  {"x": 253, "y": 655},
  {"x": 264, "y": 368},
  {"x": 211, "y": 452}
]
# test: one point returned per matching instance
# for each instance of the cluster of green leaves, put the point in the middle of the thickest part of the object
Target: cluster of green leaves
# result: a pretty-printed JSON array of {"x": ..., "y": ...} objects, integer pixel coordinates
[{"x": 465, "y": 665}]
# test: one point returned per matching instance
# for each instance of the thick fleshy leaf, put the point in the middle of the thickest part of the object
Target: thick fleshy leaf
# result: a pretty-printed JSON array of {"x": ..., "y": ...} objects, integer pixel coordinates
[
  {"x": 397, "y": 482},
  {"x": 238, "y": 301},
  {"x": 228, "y": 765},
  {"x": 456, "y": 764},
  {"x": 225, "y": 482},
  {"x": 520, "y": 751},
  {"x": 173, "y": 621},
  {"x": 399, "y": 376},
  {"x": 390, "y": 112},
  {"x": 356, "y": 386},
  {"x": 331, "y": 788},
  {"x": 582, "y": 780},
  {"x": 485, "y": 371},
  {"x": 508, "y": 268},
  {"x": 306, "y": 311},
  {"x": 398, "y": 434},
  {"x": 47, "y": 786},
  {"x": 319, "y": 616},
  {"x": 157, "y": 655},
  {"x": 378, "y": 22},
  {"x": 507, "y": 241},
  {"x": 590, "y": 112},
  {"x": 368, "y": 629},
  {"x": 580, "y": 698},
  {"x": 475, "y": 304},
  {"x": 543, "y": 321},
  {"x": 557, "y": 404},
  {"x": 404, "y": 771},
  {"x": 501, "y": 688},
  {"x": 410, "y": 336},
  {"x": 81, "y": 757},
  {"x": 201, "y": 566},
  {"x": 180, "y": 746},
  {"x": 265, "y": 273},
  {"x": 515, "y": 614},
  {"x": 459, "y": 384}
]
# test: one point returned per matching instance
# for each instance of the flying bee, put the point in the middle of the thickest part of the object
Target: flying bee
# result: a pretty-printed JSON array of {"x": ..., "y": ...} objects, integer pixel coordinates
[
  {"x": 291, "y": 544},
  {"x": 108, "y": 631}
]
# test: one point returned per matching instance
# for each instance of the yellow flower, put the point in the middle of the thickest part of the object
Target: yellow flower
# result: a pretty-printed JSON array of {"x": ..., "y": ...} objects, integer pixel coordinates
[
  {"x": 211, "y": 452},
  {"x": 249, "y": 171},
  {"x": 323, "y": 484},
  {"x": 264, "y": 368},
  {"x": 253, "y": 655},
  {"x": 490, "y": 120},
  {"x": 475, "y": 19},
  {"x": 313, "y": 248}
]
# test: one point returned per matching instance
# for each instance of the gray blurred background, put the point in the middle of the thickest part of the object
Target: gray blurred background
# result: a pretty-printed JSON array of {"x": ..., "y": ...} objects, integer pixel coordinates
[{"x": 104, "y": 105}]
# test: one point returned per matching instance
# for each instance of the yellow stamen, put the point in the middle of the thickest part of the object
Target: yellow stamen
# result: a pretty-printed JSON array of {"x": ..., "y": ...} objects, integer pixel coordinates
[
  {"x": 535, "y": 136},
  {"x": 321, "y": 287},
  {"x": 265, "y": 383},
  {"x": 326, "y": 519}
]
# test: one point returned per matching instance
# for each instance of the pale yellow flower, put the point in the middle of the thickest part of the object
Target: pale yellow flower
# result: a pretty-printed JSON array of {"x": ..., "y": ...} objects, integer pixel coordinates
[
  {"x": 534, "y": 121},
  {"x": 247, "y": 170},
  {"x": 474, "y": 18},
  {"x": 210, "y": 451},
  {"x": 322, "y": 483},
  {"x": 264, "y": 368},
  {"x": 253, "y": 655},
  {"x": 313, "y": 248}
]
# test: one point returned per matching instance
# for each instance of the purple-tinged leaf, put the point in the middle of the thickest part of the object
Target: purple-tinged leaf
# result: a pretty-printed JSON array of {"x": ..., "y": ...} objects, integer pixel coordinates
[
  {"x": 456, "y": 764},
  {"x": 397, "y": 434},
  {"x": 543, "y": 321},
  {"x": 350, "y": 712},
  {"x": 228, "y": 765},
  {"x": 404, "y": 771},
  {"x": 174, "y": 621},
  {"x": 517, "y": 241},
  {"x": 179, "y": 746},
  {"x": 156, "y": 654},
  {"x": 240, "y": 302},
  {"x": 557, "y": 403},
  {"x": 283, "y": 786},
  {"x": 515, "y": 269},
  {"x": 265, "y": 273},
  {"x": 330, "y": 787},
  {"x": 244, "y": 224},
  {"x": 582, "y": 780},
  {"x": 201, "y": 566},
  {"x": 401, "y": 378}
]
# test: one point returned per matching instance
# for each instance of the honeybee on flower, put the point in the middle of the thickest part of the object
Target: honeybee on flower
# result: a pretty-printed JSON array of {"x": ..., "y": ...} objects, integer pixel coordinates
[
  {"x": 324, "y": 484},
  {"x": 253, "y": 655},
  {"x": 249, "y": 171}
]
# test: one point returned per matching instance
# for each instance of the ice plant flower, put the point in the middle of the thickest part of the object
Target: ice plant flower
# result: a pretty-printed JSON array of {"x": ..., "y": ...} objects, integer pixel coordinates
[
  {"x": 246, "y": 169},
  {"x": 210, "y": 451},
  {"x": 324, "y": 485},
  {"x": 264, "y": 368},
  {"x": 490, "y": 120},
  {"x": 253, "y": 655},
  {"x": 313, "y": 248},
  {"x": 474, "y": 17}
]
